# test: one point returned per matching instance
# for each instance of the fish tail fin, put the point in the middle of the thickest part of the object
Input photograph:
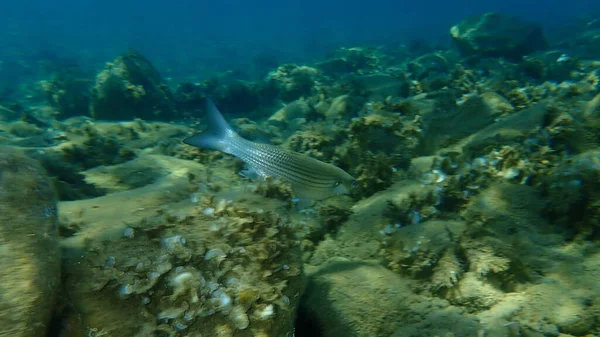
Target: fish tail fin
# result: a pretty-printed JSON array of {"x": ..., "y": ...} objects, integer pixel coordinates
[{"x": 217, "y": 134}]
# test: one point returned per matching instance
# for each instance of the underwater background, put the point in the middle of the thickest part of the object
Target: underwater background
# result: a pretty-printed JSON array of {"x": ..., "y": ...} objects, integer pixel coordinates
[
  {"x": 427, "y": 169},
  {"x": 230, "y": 35}
]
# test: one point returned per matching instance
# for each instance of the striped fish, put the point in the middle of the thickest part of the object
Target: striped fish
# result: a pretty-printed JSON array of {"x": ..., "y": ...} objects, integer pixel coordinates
[{"x": 310, "y": 178}]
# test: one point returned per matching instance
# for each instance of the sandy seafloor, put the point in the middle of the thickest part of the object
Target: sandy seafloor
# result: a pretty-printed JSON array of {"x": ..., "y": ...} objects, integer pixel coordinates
[{"x": 477, "y": 211}]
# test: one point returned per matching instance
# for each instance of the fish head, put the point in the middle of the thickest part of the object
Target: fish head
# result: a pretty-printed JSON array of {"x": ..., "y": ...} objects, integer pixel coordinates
[{"x": 344, "y": 184}]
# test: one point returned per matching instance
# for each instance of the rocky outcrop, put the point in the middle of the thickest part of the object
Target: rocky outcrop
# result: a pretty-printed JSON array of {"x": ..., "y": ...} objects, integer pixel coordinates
[
  {"x": 29, "y": 251},
  {"x": 494, "y": 35},
  {"x": 130, "y": 87}
]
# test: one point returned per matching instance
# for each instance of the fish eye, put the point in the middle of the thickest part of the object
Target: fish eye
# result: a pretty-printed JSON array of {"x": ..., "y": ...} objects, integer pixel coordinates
[{"x": 336, "y": 184}]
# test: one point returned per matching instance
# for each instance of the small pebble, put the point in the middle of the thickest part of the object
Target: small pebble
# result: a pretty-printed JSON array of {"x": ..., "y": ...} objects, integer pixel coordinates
[
  {"x": 128, "y": 233},
  {"x": 110, "y": 261},
  {"x": 389, "y": 229}
]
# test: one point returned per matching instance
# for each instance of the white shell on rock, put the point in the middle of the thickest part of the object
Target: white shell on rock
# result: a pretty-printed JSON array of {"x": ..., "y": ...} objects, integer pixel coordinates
[{"x": 239, "y": 318}]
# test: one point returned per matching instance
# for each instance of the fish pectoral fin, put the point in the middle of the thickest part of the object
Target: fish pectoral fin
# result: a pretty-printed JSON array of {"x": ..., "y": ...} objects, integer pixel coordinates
[{"x": 251, "y": 173}]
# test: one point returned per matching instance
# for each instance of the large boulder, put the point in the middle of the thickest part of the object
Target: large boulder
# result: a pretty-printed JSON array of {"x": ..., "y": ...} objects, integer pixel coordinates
[
  {"x": 130, "y": 87},
  {"x": 361, "y": 299},
  {"x": 29, "y": 251},
  {"x": 161, "y": 255},
  {"x": 497, "y": 35}
]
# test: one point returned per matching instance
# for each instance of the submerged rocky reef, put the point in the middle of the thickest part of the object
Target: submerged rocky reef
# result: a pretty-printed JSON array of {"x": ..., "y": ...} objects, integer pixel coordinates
[{"x": 475, "y": 211}]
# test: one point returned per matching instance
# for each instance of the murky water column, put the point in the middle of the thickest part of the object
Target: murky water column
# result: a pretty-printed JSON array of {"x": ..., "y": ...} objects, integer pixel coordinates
[{"x": 29, "y": 250}]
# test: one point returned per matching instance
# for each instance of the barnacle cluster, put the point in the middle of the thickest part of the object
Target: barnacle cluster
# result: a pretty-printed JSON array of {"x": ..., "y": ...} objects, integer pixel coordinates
[{"x": 219, "y": 270}]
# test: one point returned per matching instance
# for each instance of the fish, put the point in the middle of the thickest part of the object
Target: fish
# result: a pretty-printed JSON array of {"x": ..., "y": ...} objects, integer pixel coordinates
[{"x": 310, "y": 179}]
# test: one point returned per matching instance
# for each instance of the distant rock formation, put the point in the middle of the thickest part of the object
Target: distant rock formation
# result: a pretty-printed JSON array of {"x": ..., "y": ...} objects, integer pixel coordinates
[
  {"x": 130, "y": 87},
  {"x": 497, "y": 35}
]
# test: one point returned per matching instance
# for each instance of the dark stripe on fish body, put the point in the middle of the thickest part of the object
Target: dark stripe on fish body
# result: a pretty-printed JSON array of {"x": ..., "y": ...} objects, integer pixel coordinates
[
  {"x": 289, "y": 173},
  {"x": 299, "y": 172},
  {"x": 288, "y": 166},
  {"x": 299, "y": 179},
  {"x": 298, "y": 163},
  {"x": 271, "y": 157}
]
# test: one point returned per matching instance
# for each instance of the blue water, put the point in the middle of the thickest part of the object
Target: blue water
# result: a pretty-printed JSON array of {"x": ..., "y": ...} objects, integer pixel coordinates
[{"x": 179, "y": 35}]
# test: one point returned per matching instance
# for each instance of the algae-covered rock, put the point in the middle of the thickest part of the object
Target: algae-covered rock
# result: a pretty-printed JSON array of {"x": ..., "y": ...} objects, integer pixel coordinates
[
  {"x": 131, "y": 87},
  {"x": 431, "y": 64},
  {"x": 474, "y": 113},
  {"x": 336, "y": 66},
  {"x": 69, "y": 93},
  {"x": 377, "y": 145},
  {"x": 288, "y": 113},
  {"x": 587, "y": 42},
  {"x": 512, "y": 129},
  {"x": 294, "y": 81},
  {"x": 552, "y": 65},
  {"x": 494, "y": 34},
  {"x": 343, "y": 107},
  {"x": 356, "y": 299},
  {"x": 29, "y": 251},
  {"x": 235, "y": 274},
  {"x": 339, "y": 292},
  {"x": 352, "y": 60},
  {"x": 162, "y": 255},
  {"x": 572, "y": 194},
  {"x": 380, "y": 86}
]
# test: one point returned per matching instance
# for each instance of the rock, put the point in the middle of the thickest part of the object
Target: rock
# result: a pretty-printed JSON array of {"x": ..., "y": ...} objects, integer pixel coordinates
[
  {"x": 589, "y": 43},
  {"x": 431, "y": 64},
  {"x": 498, "y": 104},
  {"x": 294, "y": 81},
  {"x": 29, "y": 251},
  {"x": 497, "y": 35},
  {"x": 513, "y": 128},
  {"x": 474, "y": 112},
  {"x": 337, "y": 66},
  {"x": 238, "y": 97},
  {"x": 380, "y": 86},
  {"x": 583, "y": 43},
  {"x": 165, "y": 254},
  {"x": 190, "y": 96},
  {"x": 291, "y": 111},
  {"x": 559, "y": 307},
  {"x": 351, "y": 60},
  {"x": 130, "y": 87},
  {"x": 69, "y": 93},
  {"x": 474, "y": 292},
  {"x": 344, "y": 107},
  {"x": 340, "y": 291},
  {"x": 554, "y": 65}
]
